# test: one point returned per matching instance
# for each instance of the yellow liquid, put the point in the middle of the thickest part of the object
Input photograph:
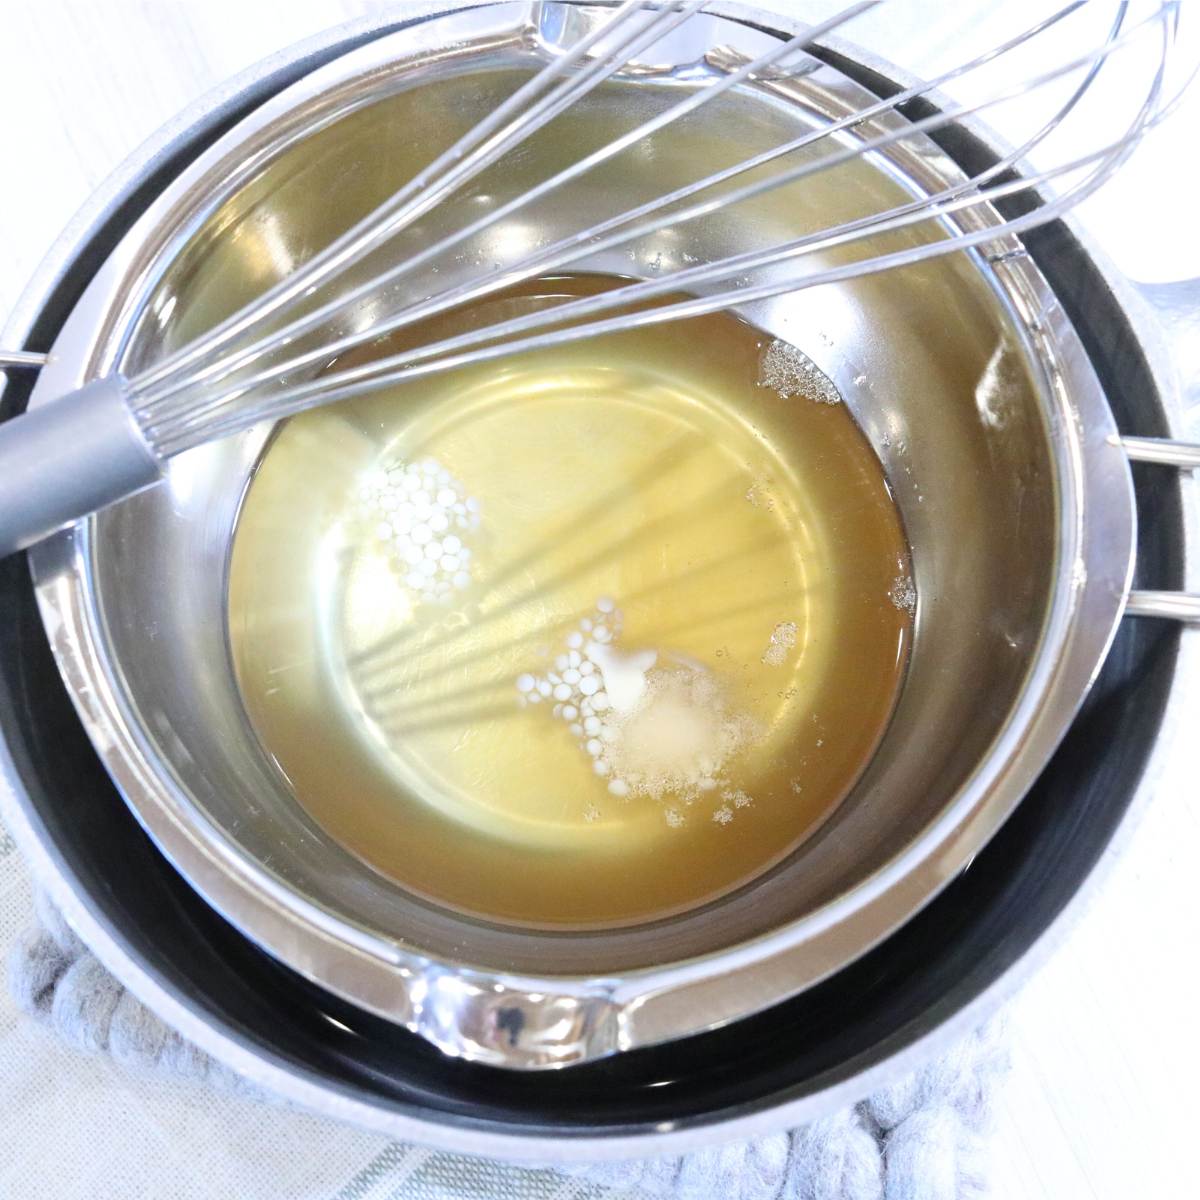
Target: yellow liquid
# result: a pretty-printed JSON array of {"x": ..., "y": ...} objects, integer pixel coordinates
[{"x": 747, "y": 540}]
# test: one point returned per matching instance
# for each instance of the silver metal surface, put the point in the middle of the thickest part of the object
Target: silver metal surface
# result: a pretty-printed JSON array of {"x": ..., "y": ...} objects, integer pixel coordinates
[
  {"x": 189, "y": 1013},
  {"x": 600, "y": 236},
  {"x": 21, "y": 358},
  {"x": 68, "y": 459},
  {"x": 1171, "y": 606},
  {"x": 1165, "y": 451},
  {"x": 999, "y": 413}
]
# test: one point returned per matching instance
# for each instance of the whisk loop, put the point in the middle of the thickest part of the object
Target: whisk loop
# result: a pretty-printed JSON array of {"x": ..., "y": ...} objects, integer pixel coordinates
[
  {"x": 575, "y": 170},
  {"x": 471, "y": 154},
  {"x": 241, "y": 373}
]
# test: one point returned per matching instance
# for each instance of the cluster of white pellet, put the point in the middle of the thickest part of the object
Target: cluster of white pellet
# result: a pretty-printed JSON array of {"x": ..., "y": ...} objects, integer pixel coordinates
[
  {"x": 598, "y": 691},
  {"x": 575, "y": 687},
  {"x": 733, "y": 798},
  {"x": 423, "y": 513},
  {"x": 788, "y": 372}
]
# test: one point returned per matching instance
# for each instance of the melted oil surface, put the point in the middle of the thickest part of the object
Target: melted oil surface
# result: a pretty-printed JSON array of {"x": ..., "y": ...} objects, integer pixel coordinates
[{"x": 738, "y": 547}]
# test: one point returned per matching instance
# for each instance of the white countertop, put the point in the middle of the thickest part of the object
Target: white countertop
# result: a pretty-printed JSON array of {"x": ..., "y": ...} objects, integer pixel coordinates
[{"x": 1106, "y": 1048}]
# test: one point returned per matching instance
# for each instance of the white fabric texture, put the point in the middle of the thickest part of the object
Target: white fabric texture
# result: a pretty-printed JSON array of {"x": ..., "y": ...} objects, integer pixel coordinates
[{"x": 923, "y": 1138}]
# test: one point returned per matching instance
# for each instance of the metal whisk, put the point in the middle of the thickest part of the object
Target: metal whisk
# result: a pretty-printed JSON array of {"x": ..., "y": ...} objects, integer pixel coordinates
[{"x": 113, "y": 437}]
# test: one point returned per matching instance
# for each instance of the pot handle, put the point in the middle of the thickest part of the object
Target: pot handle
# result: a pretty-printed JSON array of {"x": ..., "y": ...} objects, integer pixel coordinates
[
  {"x": 1166, "y": 452},
  {"x": 1171, "y": 606},
  {"x": 21, "y": 358},
  {"x": 1175, "y": 311}
]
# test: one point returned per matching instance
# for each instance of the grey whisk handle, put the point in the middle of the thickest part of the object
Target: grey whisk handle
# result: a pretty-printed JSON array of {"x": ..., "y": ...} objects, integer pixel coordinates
[{"x": 68, "y": 458}]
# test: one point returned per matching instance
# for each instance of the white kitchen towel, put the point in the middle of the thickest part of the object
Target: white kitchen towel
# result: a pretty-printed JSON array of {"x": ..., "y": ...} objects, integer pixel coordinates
[{"x": 923, "y": 1138}]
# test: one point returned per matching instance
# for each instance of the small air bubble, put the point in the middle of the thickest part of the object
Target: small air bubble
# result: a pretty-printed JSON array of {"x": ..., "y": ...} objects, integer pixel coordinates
[{"x": 782, "y": 641}]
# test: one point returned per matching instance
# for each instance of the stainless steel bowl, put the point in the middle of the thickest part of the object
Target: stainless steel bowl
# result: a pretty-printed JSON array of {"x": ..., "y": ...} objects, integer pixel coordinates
[{"x": 980, "y": 402}]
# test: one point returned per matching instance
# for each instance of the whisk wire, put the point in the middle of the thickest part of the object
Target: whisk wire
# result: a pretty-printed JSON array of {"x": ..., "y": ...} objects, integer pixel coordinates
[
  {"x": 593, "y": 240},
  {"x": 439, "y": 248},
  {"x": 1106, "y": 160},
  {"x": 305, "y": 397},
  {"x": 513, "y": 121},
  {"x": 927, "y": 209}
]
